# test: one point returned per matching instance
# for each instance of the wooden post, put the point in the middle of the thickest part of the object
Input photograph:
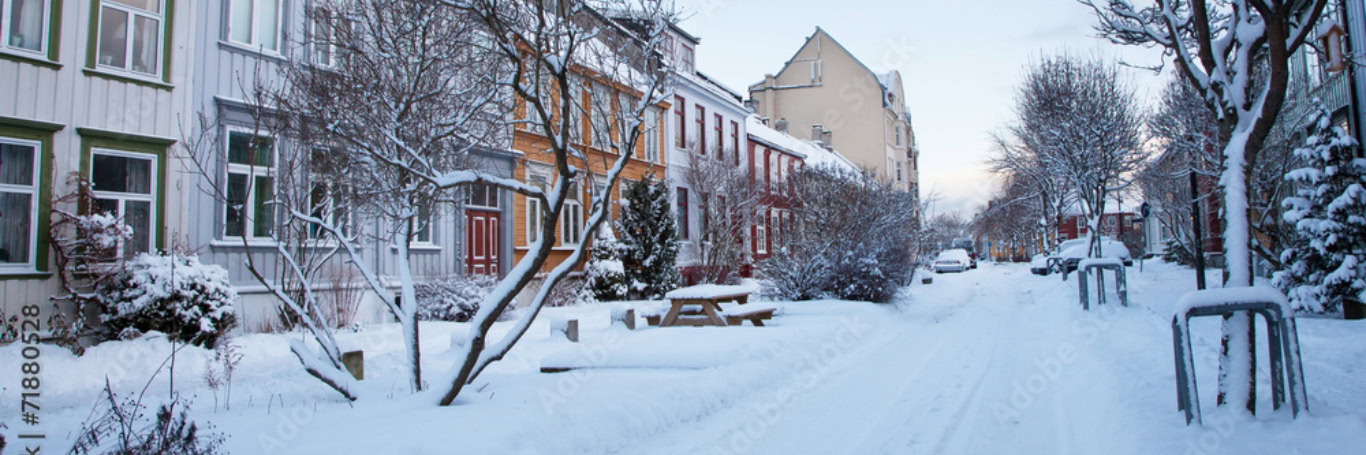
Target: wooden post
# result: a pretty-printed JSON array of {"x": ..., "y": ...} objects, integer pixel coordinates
[
  {"x": 569, "y": 328},
  {"x": 355, "y": 363},
  {"x": 625, "y": 317}
]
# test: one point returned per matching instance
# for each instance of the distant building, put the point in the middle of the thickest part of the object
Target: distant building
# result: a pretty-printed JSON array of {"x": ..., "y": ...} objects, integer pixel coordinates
[{"x": 828, "y": 96}]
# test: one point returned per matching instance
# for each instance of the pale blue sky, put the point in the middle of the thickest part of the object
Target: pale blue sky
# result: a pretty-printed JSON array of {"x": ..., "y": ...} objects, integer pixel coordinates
[{"x": 960, "y": 61}]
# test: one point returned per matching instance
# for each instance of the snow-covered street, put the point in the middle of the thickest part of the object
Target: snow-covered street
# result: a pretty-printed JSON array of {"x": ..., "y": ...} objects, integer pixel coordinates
[{"x": 994, "y": 360}]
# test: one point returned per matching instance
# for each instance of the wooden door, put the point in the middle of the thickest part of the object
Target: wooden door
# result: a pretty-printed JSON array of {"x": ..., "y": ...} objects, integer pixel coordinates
[{"x": 482, "y": 242}]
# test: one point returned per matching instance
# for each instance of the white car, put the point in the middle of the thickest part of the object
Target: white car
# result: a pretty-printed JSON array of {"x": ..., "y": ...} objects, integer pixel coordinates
[
  {"x": 1072, "y": 255},
  {"x": 952, "y": 261}
]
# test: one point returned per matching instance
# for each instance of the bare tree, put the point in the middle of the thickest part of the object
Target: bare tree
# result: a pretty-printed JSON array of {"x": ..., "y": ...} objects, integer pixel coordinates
[
  {"x": 1079, "y": 119},
  {"x": 1236, "y": 53},
  {"x": 552, "y": 46},
  {"x": 729, "y": 204}
]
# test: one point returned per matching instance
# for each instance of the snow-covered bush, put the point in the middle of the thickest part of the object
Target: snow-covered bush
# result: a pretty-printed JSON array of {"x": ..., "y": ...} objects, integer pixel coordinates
[
  {"x": 190, "y": 301},
  {"x": 649, "y": 239},
  {"x": 1329, "y": 212},
  {"x": 605, "y": 275},
  {"x": 1176, "y": 252},
  {"x": 852, "y": 239},
  {"x": 453, "y": 298}
]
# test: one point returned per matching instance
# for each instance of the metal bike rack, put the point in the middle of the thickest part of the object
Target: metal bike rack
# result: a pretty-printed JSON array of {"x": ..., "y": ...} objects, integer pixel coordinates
[
  {"x": 1121, "y": 283},
  {"x": 1282, "y": 342}
]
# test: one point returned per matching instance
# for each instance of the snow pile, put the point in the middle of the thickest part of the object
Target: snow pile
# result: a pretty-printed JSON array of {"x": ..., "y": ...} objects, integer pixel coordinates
[{"x": 175, "y": 294}]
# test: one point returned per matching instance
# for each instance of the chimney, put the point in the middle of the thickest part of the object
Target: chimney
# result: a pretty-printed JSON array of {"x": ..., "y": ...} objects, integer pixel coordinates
[
  {"x": 828, "y": 138},
  {"x": 817, "y": 132},
  {"x": 781, "y": 125},
  {"x": 752, "y": 105}
]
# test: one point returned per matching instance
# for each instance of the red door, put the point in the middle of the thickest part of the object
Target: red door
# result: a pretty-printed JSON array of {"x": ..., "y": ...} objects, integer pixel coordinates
[{"x": 481, "y": 238}]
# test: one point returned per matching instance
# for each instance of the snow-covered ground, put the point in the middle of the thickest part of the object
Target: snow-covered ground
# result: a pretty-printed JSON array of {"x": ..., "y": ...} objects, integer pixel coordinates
[{"x": 994, "y": 360}]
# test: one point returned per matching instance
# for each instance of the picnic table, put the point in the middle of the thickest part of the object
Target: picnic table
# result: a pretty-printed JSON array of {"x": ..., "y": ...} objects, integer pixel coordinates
[{"x": 701, "y": 306}]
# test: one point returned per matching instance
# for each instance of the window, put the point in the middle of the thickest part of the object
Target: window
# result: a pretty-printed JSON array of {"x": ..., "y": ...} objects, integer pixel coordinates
[
  {"x": 571, "y": 219},
  {"x": 720, "y": 136},
  {"x": 19, "y": 180},
  {"x": 576, "y": 112},
  {"x": 251, "y": 185},
  {"x": 735, "y": 141},
  {"x": 761, "y": 235},
  {"x": 898, "y": 136},
  {"x": 24, "y": 25},
  {"x": 601, "y": 117},
  {"x": 681, "y": 119},
  {"x": 482, "y": 196},
  {"x": 535, "y": 214},
  {"x": 255, "y": 23},
  {"x": 701, "y": 130},
  {"x": 124, "y": 185},
  {"x": 423, "y": 224},
  {"x": 777, "y": 223},
  {"x": 130, "y": 35},
  {"x": 685, "y": 53},
  {"x": 651, "y": 136},
  {"x": 704, "y": 208},
  {"x": 326, "y": 198},
  {"x": 323, "y": 33},
  {"x": 898, "y": 170},
  {"x": 772, "y": 172},
  {"x": 682, "y": 213}
]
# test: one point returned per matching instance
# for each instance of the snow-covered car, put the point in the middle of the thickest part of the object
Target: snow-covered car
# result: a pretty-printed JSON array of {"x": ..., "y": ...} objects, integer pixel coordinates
[
  {"x": 1039, "y": 265},
  {"x": 952, "y": 261},
  {"x": 1109, "y": 249},
  {"x": 966, "y": 244}
]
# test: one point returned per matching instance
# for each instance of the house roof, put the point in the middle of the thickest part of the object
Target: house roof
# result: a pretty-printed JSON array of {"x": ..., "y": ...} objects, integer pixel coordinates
[{"x": 813, "y": 153}]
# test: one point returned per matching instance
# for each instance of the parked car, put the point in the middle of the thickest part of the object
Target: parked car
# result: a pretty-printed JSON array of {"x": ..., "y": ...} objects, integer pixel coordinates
[
  {"x": 955, "y": 260},
  {"x": 1039, "y": 265},
  {"x": 1072, "y": 255}
]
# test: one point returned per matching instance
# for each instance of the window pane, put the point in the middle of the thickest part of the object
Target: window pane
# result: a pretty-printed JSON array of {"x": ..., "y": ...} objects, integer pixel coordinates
[
  {"x": 237, "y": 198},
  {"x": 113, "y": 38},
  {"x": 267, "y": 23},
  {"x": 138, "y": 217},
  {"x": 241, "y": 21},
  {"x": 26, "y": 24},
  {"x": 534, "y": 227},
  {"x": 147, "y": 5},
  {"x": 146, "y": 36},
  {"x": 121, "y": 174},
  {"x": 263, "y": 212},
  {"x": 16, "y": 218},
  {"x": 16, "y": 164},
  {"x": 240, "y": 150}
]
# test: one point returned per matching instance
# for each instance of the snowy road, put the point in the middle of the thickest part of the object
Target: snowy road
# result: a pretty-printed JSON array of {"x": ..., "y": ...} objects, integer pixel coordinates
[{"x": 942, "y": 383}]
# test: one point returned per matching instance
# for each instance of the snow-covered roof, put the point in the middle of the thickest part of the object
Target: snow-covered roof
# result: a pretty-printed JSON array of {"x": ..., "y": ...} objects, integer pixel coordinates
[{"x": 813, "y": 153}]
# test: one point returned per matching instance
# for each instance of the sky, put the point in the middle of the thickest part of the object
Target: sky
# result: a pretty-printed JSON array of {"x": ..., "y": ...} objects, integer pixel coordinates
[{"x": 960, "y": 62}]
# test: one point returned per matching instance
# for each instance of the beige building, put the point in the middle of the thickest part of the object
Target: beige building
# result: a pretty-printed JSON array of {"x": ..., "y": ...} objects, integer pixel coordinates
[{"x": 825, "y": 94}]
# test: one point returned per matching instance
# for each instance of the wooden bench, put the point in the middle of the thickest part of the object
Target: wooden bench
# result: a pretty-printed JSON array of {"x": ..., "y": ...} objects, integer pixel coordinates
[{"x": 755, "y": 316}]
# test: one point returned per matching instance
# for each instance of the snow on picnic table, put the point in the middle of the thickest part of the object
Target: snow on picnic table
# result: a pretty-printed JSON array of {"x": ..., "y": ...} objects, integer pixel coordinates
[{"x": 712, "y": 291}]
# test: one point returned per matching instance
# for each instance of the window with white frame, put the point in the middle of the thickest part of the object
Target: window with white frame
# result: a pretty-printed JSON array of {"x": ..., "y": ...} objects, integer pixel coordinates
[
  {"x": 322, "y": 31},
  {"x": 482, "y": 196},
  {"x": 18, "y": 204},
  {"x": 571, "y": 218},
  {"x": 535, "y": 213},
  {"x": 124, "y": 184},
  {"x": 23, "y": 24},
  {"x": 761, "y": 235},
  {"x": 651, "y": 136},
  {"x": 423, "y": 224},
  {"x": 250, "y": 185},
  {"x": 898, "y": 136},
  {"x": 601, "y": 116},
  {"x": 255, "y": 23},
  {"x": 327, "y": 199},
  {"x": 130, "y": 33},
  {"x": 576, "y": 111}
]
